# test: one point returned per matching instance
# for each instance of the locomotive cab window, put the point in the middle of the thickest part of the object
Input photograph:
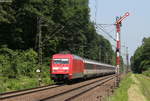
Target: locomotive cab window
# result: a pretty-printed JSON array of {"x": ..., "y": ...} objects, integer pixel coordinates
[{"x": 61, "y": 61}]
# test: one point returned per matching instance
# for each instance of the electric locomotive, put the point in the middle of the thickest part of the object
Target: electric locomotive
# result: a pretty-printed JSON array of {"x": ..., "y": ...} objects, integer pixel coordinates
[{"x": 68, "y": 67}]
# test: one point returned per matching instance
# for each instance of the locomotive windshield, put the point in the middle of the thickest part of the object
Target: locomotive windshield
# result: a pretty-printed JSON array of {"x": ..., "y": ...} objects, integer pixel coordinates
[{"x": 61, "y": 61}]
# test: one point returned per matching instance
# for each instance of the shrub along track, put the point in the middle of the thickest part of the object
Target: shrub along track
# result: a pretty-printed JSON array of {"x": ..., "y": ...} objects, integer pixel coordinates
[{"x": 61, "y": 93}]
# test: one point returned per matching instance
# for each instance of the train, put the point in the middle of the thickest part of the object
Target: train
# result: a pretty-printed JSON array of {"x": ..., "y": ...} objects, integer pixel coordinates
[{"x": 67, "y": 67}]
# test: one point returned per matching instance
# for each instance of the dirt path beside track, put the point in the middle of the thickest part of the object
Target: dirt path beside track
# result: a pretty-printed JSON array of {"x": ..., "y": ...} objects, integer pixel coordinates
[{"x": 134, "y": 93}]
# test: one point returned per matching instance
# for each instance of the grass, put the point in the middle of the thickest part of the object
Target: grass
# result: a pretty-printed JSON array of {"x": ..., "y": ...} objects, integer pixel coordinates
[
  {"x": 144, "y": 85},
  {"x": 21, "y": 83},
  {"x": 147, "y": 73},
  {"x": 121, "y": 94}
]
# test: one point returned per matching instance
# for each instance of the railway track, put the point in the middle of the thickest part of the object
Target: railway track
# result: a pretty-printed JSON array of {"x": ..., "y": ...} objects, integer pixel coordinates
[
  {"x": 75, "y": 92},
  {"x": 56, "y": 92},
  {"x": 12, "y": 94}
]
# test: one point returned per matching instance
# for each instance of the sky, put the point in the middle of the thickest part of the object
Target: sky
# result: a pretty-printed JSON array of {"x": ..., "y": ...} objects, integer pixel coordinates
[{"x": 134, "y": 28}]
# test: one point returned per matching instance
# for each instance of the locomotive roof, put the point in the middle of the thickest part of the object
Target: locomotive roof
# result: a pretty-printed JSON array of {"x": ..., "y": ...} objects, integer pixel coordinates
[
  {"x": 77, "y": 57},
  {"x": 67, "y": 55}
]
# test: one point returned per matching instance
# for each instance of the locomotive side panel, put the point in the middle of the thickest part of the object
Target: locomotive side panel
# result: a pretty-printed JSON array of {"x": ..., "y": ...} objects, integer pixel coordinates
[{"x": 77, "y": 67}]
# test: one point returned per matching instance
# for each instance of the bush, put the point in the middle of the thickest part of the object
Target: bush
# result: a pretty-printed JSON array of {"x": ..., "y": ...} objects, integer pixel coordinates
[
  {"x": 18, "y": 70},
  {"x": 147, "y": 73},
  {"x": 16, "y": 63},
  {"x": 22, "y": 83}
]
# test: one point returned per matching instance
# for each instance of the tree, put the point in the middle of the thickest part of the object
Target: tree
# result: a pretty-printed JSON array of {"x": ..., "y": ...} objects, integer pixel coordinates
[
  {"x": 68, "y": 27},
  {"x": 140, "y": 61}
]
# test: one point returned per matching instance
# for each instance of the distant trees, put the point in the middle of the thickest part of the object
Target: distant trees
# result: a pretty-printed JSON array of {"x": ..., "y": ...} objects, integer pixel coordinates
[
  {"x": 140, "y": 61},
  {"x": 68, "y": 27}
]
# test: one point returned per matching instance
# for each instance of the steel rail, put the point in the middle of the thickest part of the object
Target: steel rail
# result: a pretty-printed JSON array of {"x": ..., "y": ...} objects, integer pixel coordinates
[
  {"x": 77, "y": 88},
  {"x": 81, "y": 93},
  {"x": 26, "y": 91}
]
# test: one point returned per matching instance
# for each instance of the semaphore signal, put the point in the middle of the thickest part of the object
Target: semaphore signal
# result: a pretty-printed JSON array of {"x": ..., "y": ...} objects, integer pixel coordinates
[{"x": 118, "y": 25}]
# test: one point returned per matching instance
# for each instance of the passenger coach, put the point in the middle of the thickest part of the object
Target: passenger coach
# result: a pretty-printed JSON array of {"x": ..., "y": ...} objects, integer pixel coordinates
[{"x": 68, "y": 66}]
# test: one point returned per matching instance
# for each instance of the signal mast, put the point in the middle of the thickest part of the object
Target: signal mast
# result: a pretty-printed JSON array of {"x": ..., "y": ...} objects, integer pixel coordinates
[{"x": 118, "y": 25}]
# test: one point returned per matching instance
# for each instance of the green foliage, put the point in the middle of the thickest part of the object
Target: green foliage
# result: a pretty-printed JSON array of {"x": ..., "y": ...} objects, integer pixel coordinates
[
  {"x": 18, "y": 70},
  {"x": 141, "y": 60},
  {"x": 6, "y": 13},
  {"x": 16, "y": 63},
  {"x": 147, "y": 73},
  {"x": 68, "y": 27},
  {"x": 23, "y": 82}
]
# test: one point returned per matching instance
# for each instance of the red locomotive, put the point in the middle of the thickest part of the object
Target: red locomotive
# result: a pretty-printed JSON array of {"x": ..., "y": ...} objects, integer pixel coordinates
[{"x": 68, "y": 67}]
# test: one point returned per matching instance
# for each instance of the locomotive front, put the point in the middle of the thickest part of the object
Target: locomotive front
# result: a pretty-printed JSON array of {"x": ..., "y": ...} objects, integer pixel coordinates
[{"x": 60, "y": 67}]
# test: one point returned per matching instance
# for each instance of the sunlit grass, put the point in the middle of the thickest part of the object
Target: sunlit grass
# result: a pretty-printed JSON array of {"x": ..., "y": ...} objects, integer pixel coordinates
[
  {"x": 144, "y": 85},
  {"x": 22, "y": 83},
  {"x": 121, "y": 94}
]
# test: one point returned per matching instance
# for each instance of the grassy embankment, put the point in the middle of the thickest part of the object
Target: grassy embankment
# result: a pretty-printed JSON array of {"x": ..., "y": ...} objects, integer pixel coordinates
[
  {"x": 142, "y": 88},
  {"x": 21, "y": 83},
  {"x": 145, "y": 84},
  {"x": 121, "y": 94}
]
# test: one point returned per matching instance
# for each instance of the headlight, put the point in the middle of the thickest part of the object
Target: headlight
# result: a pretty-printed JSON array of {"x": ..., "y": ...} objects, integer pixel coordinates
[
  {"x": 65, "y": 68},
  {"x": 55, "y": 68}
]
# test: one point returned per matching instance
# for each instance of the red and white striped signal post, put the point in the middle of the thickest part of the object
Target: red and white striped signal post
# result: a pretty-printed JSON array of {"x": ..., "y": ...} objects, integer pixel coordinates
[{"x": 118, "y": 25}]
